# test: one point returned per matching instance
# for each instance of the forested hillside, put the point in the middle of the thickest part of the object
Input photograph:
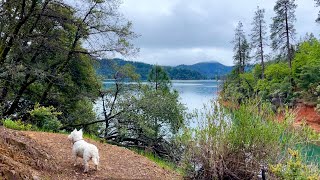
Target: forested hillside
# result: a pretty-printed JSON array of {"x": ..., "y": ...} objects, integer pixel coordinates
[{"x": 210, "y": 70}]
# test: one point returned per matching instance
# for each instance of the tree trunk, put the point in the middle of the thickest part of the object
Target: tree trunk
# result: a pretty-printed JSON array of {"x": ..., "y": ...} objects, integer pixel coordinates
[
  {"x": 22, "y": 89},
  {"x": 105, "y": 115},
  {"x": 288, "y": 37},
  {"x": 261, "y": 49},
  {"x": 240, "y": 57},
  {"x": 4, "y": 91}
]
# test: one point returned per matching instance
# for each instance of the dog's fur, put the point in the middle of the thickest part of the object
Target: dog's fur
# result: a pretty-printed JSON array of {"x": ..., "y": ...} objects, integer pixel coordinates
[{"x": 83, "y": 149}]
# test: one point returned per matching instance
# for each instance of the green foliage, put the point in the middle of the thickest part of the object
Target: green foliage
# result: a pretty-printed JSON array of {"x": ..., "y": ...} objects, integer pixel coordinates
[
  {"x": 257, "y": 72},
  {"x": 241, "y": 49},
  {"x": 238, "y": 87},
  {"x": 276, "y": 72},
  {"x": 159, "y": 78},
  {"x": 318, "y": 102},
  {"x": 160, "y": 109},
  {"x": 145, "y": 116},
  {"x": 159, "y": 161},
  {"x": 306, "y": 68},
  {"x": 277, "y": 83},
  {"x": 46, "y": 60},
  {"x": 17, "y": 125},
  {"x": 282, "y": 28},
  {"x": 82, "y": 112},
  {"x": 295, "y": 168},
  {"x": 45, "y": 118},
  {"x": 93, "y": 137},
  {"x": 236, "y": 143}
]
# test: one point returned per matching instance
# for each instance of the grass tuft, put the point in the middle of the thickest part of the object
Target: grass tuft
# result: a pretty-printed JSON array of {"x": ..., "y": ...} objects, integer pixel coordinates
[
  {"x": 16, "y": 125},
  {"x": 160, "y": 161}
]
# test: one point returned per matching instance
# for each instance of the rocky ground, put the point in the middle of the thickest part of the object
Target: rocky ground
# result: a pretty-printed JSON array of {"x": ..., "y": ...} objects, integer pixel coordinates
[{"x": 41, "y": 155}]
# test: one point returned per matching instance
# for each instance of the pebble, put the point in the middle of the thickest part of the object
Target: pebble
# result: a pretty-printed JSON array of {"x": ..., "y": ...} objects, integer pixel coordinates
[{"x": 36, "y": 177}]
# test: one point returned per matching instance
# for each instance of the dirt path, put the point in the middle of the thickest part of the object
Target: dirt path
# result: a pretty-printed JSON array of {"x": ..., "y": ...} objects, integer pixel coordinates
[{"x": 115, "y": 162}]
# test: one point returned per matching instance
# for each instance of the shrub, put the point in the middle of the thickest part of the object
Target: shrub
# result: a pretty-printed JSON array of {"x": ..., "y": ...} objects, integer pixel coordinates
[
  {"x": 277, "y": 72},
  {"x": 17, "y": 125},
  {"x": 45, "y": 118},
  {"x": 318, "y": 103},
  {"x": 295, "y": 168},
  {"x": 306, "y": 67},
  {"x": 234, "y": 144}
]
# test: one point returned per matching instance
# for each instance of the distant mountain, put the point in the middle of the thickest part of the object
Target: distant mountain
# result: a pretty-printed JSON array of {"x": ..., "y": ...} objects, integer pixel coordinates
[
  {"x": 209, "y": 69},
  {"x": 206, "y": 70}
]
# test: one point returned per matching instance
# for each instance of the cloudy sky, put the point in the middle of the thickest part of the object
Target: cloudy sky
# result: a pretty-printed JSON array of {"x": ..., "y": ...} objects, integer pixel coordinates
[{"x": 176, "y": 32}]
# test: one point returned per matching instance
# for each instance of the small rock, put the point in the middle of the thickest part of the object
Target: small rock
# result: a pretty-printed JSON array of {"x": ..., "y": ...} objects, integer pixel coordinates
[
  {"x": 36, "y": 177},
  {"x": 13, "y": 172}
]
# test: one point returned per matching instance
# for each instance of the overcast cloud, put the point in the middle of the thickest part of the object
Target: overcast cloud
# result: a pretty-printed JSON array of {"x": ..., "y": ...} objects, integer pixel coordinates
[{"x": 189, "y": 31}]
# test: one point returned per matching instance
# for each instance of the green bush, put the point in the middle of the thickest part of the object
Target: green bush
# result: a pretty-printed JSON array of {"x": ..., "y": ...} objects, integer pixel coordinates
[
  {"x": 318, "y": 102},
  {"x": 306, "y": 68},
  {"x": 45, "y": 118},
  {"x": 276, "y": 72},
  {"x": 234, "y": 144},
  {"x": 17, "y": 125},
  {"x": 295, "y": 168}
]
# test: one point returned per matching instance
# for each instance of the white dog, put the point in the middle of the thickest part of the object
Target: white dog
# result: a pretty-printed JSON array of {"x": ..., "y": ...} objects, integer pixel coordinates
[{"x": 83, "y": 149}]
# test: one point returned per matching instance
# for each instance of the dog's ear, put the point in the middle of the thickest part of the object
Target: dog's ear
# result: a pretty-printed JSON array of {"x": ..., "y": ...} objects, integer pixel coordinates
[
  {"x": 75, "y": 130},
  {"x": 80, "y": 130}
]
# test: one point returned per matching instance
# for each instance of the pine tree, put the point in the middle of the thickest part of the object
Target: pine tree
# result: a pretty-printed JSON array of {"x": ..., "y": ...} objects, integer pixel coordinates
[
  {"x": 318, "y": 4},
  {"x": 241, "y": 49},
  {"x": 282, "y": 28},
  {"x": 258, "y": 37}
]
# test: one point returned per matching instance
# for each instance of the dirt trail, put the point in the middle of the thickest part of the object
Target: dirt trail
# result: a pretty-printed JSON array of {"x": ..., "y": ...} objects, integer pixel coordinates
[{"x": 40, "y": 155}]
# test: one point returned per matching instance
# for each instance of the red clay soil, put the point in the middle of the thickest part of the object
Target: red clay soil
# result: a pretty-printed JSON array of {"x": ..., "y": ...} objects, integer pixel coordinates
[
  {"x": 305, "y": 114},
  {"x": 309, "y": 115},
  {"x": 40, "y": 155}
]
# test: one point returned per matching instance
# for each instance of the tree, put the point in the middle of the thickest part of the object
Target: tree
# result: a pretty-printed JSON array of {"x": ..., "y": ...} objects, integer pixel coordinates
[
  {"x": 241, "y": 49},
  {"x": 306, "y": 67},
  {"x": 318, "y": 4},
  {"x": 139, "y": 115},
  {"x": 282, "y": 28},
  {"x": 159, "y": 78},
  {"x": 258, "y": 37},
  {"x": 47, "y": 52}
]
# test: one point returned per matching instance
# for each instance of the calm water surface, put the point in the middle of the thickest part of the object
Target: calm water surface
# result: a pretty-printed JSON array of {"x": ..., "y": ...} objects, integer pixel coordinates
[{"x": 195, "y": 93}]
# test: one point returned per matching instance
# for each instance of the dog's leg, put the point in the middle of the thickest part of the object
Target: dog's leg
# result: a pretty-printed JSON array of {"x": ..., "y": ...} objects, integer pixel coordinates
[
  {"x": 74, "y": 156},
  {"x": 96, "y": 162},
  {"x": 86, "y": 165}
]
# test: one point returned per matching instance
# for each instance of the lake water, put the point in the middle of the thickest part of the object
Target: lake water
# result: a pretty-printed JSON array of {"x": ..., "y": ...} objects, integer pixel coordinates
[{"x": 195, "y": 93}]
